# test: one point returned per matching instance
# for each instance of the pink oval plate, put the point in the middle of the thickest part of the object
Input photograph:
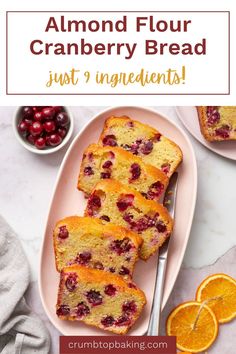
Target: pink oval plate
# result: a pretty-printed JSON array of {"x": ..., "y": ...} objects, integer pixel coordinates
[
  {"x": 189, "y": 118},
  {"x": 67, "y": 200}
]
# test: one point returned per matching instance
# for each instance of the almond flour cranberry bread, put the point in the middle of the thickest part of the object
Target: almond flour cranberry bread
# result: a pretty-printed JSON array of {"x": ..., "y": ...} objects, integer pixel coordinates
[
  {"x": 99, "y": 299},
  {"x": 142, "y": 140},
  {"x": 218, "y": 123},
  {"x": 115, "y": 163},
  {"x": 126, "y": 207},
  {"x": 88, "y": 242}
]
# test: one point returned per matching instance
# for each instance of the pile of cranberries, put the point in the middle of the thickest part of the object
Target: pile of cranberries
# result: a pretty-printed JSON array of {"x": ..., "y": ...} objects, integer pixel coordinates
[{"x": 43, "y": 127}]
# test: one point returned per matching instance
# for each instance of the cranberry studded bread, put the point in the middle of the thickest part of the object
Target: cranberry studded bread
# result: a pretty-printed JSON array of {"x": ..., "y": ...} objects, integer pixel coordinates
[
  {"x": 88, "y": 242},
  {"x": 142, "y": 140},
  {"x": 126, "y": 207},
  {"x": 218, "y": 123},
  {"x": 115, "y": 163},
  {"x": 99, "y": 299}
]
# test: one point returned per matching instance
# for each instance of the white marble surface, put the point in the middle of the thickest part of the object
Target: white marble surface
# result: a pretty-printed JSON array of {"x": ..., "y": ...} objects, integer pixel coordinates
[{"x": 27, "y": 182}]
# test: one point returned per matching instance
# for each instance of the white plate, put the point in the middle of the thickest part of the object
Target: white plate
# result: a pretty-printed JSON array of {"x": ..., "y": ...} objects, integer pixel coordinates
[
  {"x": 189, "y": 118},
  {"x": 67, "y": 200}
]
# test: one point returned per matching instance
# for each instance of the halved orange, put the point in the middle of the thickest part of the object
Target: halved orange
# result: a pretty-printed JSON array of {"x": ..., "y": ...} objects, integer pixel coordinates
[
  {"x": 195, "y": 326},
  {"x": 218, "y": 291}
]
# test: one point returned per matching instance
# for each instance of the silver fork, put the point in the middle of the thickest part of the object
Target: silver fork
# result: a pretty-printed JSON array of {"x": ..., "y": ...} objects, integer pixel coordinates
[{"x": 169, "y": 203}]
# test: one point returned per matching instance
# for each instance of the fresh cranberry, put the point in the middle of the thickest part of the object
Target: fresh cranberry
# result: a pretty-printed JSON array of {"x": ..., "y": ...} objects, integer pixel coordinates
[
  {"x": 47, "y": 138},
  {"x": 105, "y": 175},
  {"x": 161, "y": 227},
  {"x": 62, "y": 132},
  {"x": 55, "y": 139},
  {"x": 57, "y": 109},
  {"x": 83, "y": 258},
  {"x": 107, "y": 321},
  {"x": 125, "y": 201},
  {"x": 94, "y": 297},
  {"x": 31, "y": 139},
  {"x": 88, "y": 171},
  {"x": 94, "y": 203},
  {"x": 48, "y": 113},
  {"x": 112, "y": 270},
  {"x": 71, "y": 282},
  {"x": 62, "y": 119},
  {"x": 38, "y": 116},
  {"x": 36, "y": 128},
  {"x": 129, "y": 307},
  {"x": 135, "y": 171},
  {"x": 63, "y": 232},
  {"x": 165, "y": 168},
  {"x": 82, "y": 309},
  {"x": 146, "y": 148},
  {"x": 63, "y": 310},
  {"x": 124, "y": 271},
  {"x": 23, "y": 126},
  {"x": 49, "y": 126},
  {"x": 223, "y": 131},
  {"x": 121, "y": 246},
  {"x": 123, "y": 321},
  {"x": 110, "y": 290},
  {"x": 40, "y": 143},
  {"x": 98, "y": 265},
  {"x": 107, "y": 164},
  {"x": 105, "y": 218},
  {"x": 27, "y": 112},
  {"x": 109, "y": 140}
]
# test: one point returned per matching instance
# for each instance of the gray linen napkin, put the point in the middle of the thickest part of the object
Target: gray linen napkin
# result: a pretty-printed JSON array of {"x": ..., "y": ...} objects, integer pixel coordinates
[{"x": 21, "y": 331}]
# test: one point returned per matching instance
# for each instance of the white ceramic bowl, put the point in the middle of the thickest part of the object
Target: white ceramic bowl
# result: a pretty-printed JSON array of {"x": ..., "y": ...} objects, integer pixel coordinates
[{"x": 47, "y": 150}]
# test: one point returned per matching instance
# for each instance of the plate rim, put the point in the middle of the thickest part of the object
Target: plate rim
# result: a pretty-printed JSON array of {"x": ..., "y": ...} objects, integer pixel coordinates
[
  {"x": 193, "y": 205},
  {"x": 202, "y": 142}
]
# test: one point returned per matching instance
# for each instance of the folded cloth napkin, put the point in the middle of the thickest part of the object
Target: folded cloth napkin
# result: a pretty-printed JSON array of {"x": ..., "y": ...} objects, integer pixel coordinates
[{"x": 21, "y": 331}]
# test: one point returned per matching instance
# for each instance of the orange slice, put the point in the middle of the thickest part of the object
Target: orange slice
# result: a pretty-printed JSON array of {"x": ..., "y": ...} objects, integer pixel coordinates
[
  {"x": 195, "y": 326},
  {"x": 218, "y": 291}
]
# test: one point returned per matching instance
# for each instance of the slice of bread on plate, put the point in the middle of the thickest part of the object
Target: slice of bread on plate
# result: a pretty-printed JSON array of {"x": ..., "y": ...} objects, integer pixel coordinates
[
  {"x": 217, "y": 123},
  {"x": 115, "y": 163},
  {"x": 142, "y": 140},
  {"x": 126, "y": 207},
  {"x": 99, "y": 299},
  {"x": 87, "y": 241}
]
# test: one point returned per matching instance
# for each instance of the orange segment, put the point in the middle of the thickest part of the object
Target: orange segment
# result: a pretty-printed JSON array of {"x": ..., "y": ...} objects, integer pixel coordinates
[
  {"x": 218, "y": 291},
  {"x": 195, "y": 326}
]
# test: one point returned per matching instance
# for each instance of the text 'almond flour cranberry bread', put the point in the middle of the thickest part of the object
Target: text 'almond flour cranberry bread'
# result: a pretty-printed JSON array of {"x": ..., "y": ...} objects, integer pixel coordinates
[
  {"x": 142, "y": 140},
  {"x": 218, "y": 123},
  {"x": 88, "y": 242},
  {"x": 126, "y": 207},
  {"x": 116, "y": 163},
  {"x": 99, "y": 299}
]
